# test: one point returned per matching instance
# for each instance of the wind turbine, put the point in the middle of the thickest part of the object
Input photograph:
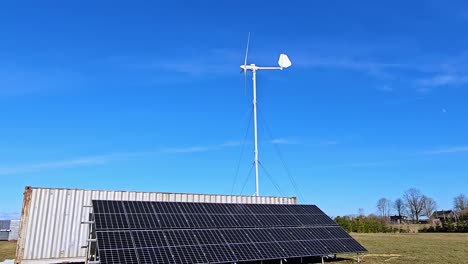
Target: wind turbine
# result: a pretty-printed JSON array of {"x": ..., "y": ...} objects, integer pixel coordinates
[{"x": 283, "y": 63}]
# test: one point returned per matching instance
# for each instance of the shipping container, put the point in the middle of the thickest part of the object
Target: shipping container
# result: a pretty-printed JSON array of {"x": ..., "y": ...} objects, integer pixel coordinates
[
  {"x": 51, "y": 229},
  {"x": 14, "y": 230}
]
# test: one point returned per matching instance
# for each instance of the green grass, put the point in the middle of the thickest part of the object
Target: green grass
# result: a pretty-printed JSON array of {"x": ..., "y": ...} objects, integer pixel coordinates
[
  {"x": 413, "y": 248},
  {"x": 7, "y": 250},
  {"x": 383, "y": 248}
]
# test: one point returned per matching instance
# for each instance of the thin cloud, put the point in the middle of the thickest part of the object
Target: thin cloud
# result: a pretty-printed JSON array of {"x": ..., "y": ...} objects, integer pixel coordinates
[
  {"x": 376, "y": 68},
  {"x": 364, "y": 164},
  {"x": 64, "y": 164},
  {"x": 187, "y": 149},
  {"x": 290, "y": 141},
  {"x": 328, "y": 142},
  {"x": 284, "y": 141},
  {"x": 456, "y": 149},
  {"x": 216, "y": 61},
  {"x": 107, "y": 158},
  {"x": 351, "y": 64},
  {"x": 18, "y": 82},
  {"x": 231, "y": 144},
  {"x": 385, "y": 88},
  {"x": 432, "y": 72},
  {"x": 59, "y": 164},
  {"x": 443, "y": 80},
  {"x": 195, "y": 149}
]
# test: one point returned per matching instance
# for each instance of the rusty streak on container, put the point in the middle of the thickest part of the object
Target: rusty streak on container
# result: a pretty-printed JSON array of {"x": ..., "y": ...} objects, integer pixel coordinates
[{"x": 23, "y": 223}]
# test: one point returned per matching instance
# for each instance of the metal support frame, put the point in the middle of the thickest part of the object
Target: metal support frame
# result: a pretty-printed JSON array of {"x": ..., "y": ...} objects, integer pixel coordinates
[
  {"x": 92, "y": 240},
  {"x": 254, "y": 68}
]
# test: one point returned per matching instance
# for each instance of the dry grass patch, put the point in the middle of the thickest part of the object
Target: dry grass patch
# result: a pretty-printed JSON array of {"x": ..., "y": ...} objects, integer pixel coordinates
[
  {"x": 413, "y": 248},
  {"x": 7, "y": 250}
]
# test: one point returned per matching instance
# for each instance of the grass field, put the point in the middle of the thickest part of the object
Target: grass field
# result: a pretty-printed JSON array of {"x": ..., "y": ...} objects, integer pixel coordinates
[
  {"x": 414, "y": 248},
  {"x": 383, "y": 248},
  {"x": 7, "y": 250}
]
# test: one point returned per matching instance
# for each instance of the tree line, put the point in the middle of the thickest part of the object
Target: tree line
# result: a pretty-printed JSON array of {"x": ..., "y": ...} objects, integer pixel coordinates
[
  {"x": 414, "y": 204},
  {"x": 366, "y": 224},
  {"x": 411, "y": 206}
]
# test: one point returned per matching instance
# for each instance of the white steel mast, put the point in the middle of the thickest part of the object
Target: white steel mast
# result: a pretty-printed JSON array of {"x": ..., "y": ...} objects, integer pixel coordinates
[{"x": 283, "y": 63}]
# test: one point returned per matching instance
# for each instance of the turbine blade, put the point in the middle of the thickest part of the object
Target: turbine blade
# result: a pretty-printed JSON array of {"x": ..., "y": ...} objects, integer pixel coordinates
[
  {"x": 247, "y": 49},
  {"x": 245, "y": 64}
]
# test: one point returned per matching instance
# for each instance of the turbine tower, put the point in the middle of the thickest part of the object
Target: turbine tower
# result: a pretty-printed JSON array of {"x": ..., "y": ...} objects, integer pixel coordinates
[{"x": 283, "y": 62}]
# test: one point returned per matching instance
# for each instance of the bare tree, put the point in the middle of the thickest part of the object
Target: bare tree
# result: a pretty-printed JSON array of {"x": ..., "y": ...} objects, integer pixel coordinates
[
  {"x": 384, "y": 207},
  {"x": 460, "y": 202},
  {"x": 361, "y": 213},
  {"x": 429, "y": 206},
  {"x": 414, "y": 203},
  {"x": 399, "y": 206}
]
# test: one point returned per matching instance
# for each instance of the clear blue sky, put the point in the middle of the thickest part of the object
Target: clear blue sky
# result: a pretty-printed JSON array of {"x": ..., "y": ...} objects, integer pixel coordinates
[{"x": 148, "y": 96}]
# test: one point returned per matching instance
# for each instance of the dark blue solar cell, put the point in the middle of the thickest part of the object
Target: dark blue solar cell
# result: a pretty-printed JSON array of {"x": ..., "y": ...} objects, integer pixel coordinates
[
  {"x": 209, "y": 236},
  {"x": 219, "y": 253},
  {"x": 246, "y": 252},
  {"x": 224, "y": 221},
  {"x": 259, "y": 235},
  {"x": 118, "y": 256},
  {"x": 188, "y": 255},
  {"x": 271, "y": 250},
  {"x": 155, "y": 255},
  {"x": 143, "y": 221},
  {"x": 232, "y": 236},
  {"x": 149, "y": 238}
]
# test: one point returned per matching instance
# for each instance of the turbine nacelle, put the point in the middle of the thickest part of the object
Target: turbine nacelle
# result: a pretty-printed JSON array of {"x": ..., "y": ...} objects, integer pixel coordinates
[{"x": 247, "y": 67}]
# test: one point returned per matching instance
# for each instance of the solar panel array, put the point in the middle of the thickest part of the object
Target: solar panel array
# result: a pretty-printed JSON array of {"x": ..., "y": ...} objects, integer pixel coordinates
[{"x": 177, "y": 232}]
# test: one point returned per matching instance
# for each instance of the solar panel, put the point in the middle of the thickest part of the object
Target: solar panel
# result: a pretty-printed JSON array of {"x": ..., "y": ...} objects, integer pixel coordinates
[
  {"x": 153, "y": 255},
  {"x": 177, "y": 232}
]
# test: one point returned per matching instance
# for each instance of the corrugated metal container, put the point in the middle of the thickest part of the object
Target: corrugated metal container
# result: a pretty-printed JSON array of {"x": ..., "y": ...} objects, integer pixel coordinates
[
  {"x": 51, "y": 229},
  {"x": 4, "y": 229},
  {"x": 14, "y": 230}
]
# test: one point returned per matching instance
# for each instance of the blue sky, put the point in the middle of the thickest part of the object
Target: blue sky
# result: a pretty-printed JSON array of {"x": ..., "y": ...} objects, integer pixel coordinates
[{"x": 148, "y": 96}]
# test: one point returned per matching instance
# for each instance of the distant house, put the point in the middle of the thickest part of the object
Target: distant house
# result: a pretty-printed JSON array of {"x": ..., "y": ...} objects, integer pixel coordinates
[
  {"x": 444, "y": 215},
  {"x": 398, "y": 219},
  {"x": 423, "y": 221}
]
